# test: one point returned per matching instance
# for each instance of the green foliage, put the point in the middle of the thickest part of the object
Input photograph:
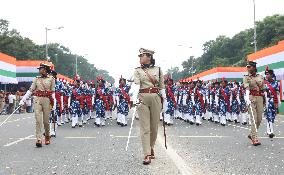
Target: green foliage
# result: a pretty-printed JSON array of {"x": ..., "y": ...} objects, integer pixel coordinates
[
  {"x": 12, "y": 43},
  {"x": 225, "y": 51}
]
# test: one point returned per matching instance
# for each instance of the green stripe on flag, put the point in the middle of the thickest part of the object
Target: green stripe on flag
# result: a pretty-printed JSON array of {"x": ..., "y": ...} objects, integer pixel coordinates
[
  {"x": 232, "y": 79},
  {"x": 277, "y": 65},
  {"x": 27, "y": 74},
  {"x": 7, "y": 73}
]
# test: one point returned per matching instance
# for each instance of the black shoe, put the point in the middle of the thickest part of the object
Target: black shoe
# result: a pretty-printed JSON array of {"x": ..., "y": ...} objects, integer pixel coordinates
[
  {"x": 203, "y": 118},
  {"x": 271, "y": 135},
  {"x": 245, "y": 123},
  {"x": 223, "y": 124},
  {"x": 80, "y": 126},
  {"x": 249, "y": 136},
  {"x": 161, "y": 119},
  {"x": 197, "y": 124},
  {"x": 216, "y": 122},
  {"x": 38, "y": 144},
  {"x": 73, "y": 126},
  {"x": 230, "y": 120},
  {"x": 191, "y": 123}
]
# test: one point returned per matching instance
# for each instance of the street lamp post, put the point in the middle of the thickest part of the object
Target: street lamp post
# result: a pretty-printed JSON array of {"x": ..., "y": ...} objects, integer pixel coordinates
[
  {"x": 76, "y": 66},
  {"x": 46, "y": 47},
  {"x": 254, "y": 23},
  {"x": 189, "y": 47}
]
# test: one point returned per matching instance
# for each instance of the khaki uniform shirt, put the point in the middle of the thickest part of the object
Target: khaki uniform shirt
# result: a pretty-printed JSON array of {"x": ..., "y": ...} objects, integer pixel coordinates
[
  {"x": 141, "y": 78},
  {"x": 43, "y": 84},
  {"x": 255, "y": 83}
]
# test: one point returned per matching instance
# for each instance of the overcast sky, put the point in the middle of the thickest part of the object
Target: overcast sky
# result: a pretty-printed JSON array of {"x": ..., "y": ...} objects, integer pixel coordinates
[{"x": 111, "y": 32}]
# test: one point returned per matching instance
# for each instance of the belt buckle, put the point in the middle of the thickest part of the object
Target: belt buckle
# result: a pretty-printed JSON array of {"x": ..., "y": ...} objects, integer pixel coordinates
[{"x": 150, "y": 90}]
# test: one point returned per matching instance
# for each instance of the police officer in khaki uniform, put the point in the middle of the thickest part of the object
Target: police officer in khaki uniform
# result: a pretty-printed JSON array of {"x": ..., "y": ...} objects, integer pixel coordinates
[
  {"x": 2, "y": 101},
  {"x": 42, "y": 88},
  {"x": 254, "y": 85},
  {"x": 150, "y": 81}
]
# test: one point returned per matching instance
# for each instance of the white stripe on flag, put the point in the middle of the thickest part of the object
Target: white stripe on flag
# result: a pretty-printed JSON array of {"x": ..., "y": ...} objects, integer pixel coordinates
[
  {"x": 26, "y": 69},
  {"x": 270, "y": 59},
  {"x": 7, "y": 66}
]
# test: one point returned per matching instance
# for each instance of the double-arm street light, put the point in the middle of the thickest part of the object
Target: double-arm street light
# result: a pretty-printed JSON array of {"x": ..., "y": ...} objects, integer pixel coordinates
[
  {"x": 254, "y": 24},
  {"x": 189, "y": 47},
  {"x": 46, "y": 47}
]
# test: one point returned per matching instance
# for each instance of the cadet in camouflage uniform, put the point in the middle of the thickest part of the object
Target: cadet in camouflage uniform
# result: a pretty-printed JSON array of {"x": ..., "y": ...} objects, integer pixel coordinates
[
  {"x": 43, "y": 88},
  {"x": 272, "y": 100}
]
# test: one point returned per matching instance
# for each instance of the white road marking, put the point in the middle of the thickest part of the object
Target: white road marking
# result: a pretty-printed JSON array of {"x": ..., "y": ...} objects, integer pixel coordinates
[
  {"x": 124, "y": 136},
  {"x": 18, "y": 119},
  {"x": 79, "y": 137},
  {"x": 178, "y": 161},
  {"x": 238, "y": 126},
  {"x": 17, "y": 141},
  {"x": 270, "y": 138},
  {"x": 202, "y": 136}
]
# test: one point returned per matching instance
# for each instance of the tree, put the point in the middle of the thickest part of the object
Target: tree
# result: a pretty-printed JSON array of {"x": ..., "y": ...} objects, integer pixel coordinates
[
  {"x": 225, "y": 51},
  {"x": 12, "y": 43}
]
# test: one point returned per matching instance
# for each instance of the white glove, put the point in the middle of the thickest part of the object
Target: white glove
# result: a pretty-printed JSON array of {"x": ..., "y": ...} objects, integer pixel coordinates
[
  {"x": 54, "y": 99},
  {"x": 117, "y": 100},
  {"x": 192, "y": 100},
  {"x": 163, "y": 93},
  {"x": 22, "y": 103},
  {"x": 184, "y": 98},
  {"x": 62, "y": 106},
  {"x": 247, "y": 97},
  {"x": 93, "y": 99},
  {"x": 217, "y": 99},
  {"x": 211, "y": 98},
  {"x": 69, "y": 102},
  {"x": 25, "y": 97},
  {"x": 238, "y": 99},
  {"x": 165, "y": 106},
  {"x": 135, "y": 90}
]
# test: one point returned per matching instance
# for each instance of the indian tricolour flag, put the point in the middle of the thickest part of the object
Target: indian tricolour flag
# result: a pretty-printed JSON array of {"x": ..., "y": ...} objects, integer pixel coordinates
[
  {"x": 218, "y": 73},
  {"x": 7, "y": 69},
  {"x": 27, "y": 69},
  {"x": 273, "y": 57}
]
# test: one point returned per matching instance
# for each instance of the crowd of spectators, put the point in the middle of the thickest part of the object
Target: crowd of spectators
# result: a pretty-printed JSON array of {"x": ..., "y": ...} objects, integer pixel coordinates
[{"x": 9, "y": 101}]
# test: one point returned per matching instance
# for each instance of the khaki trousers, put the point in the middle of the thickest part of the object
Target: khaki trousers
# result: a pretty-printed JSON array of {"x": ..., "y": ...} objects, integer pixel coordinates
[
  {"x": 256, "y": 108},
  {"x": 2, "y": 104},
  {"x": 149, "y": 115},
  {"x": 42, "y": 112}
]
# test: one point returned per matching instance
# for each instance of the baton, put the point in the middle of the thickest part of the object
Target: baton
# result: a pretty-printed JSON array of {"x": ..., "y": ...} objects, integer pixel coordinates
[
  {"x": 9, "y": 116},
  {"x": 132, "y": 120}
]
